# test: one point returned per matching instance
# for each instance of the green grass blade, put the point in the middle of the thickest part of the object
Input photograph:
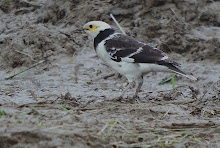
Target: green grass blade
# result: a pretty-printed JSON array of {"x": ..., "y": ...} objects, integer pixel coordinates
[
  {"x": 65, "y": 109},
  {"x": 173, "y": 80},
  {"x": 26, "y": 69},
  {"x": 2, "y": 112},
  {"x": 165, "y": 81}
]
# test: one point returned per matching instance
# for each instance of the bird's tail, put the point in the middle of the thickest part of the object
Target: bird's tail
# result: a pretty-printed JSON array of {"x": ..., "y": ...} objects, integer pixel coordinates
[
  {"x": 180, "y": 72},
  {"x": 173, "y": 67}
]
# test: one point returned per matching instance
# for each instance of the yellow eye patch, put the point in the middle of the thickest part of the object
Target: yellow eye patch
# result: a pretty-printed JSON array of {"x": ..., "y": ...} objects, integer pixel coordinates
[{"x": 91, "y": 27}]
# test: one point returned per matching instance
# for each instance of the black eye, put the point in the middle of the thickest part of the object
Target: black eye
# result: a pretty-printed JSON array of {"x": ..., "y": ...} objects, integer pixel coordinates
[{"x": 90, "y": 26}]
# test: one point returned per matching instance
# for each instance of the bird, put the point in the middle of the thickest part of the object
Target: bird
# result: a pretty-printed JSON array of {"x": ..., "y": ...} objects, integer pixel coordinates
[{"x": 129, "y": 57}]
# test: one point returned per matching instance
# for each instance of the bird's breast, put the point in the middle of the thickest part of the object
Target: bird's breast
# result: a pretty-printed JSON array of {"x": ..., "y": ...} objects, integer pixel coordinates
[{"x": 101, "y": 52}]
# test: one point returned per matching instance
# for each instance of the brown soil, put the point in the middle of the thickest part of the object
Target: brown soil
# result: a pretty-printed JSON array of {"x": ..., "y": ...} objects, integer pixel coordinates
[{"x": 66, "y": 101}]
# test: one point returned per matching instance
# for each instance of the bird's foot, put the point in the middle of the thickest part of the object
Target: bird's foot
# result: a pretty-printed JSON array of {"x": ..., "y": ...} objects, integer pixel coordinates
[
  {"x": 134, "y": 99},
  {"x": 118, "y": 99},
  {"x": 131, "y": 100}
]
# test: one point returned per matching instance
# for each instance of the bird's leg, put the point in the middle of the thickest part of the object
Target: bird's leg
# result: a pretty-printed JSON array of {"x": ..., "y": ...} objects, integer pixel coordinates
[
  {"x": 138, "y": 87},
  {"x": 124, "y": 91}
]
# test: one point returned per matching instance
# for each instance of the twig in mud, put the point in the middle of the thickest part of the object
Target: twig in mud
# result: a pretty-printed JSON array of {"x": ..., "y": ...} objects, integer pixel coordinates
[
  {"x": 22, "y": 117},
  {"x": 69, "y": 37},
  {"x": 108, "y": 76},
  {"x": 69, "y": 111},
  {"x": 114, "y": 123},
  {"x": 29, "y": 104},
  {"x": 107, "y": 125},
  {"x": 167, "y": 112},
  {"x": 66, "y": 34},
  {"x": 122, "y": 127},
  {"x": 59, "y": 126},
  {"x": 177, "y": 16},
  {"x": 172, "y": 88},
  {"x": 104, "y": 77},
  {"x": 33, "y": 95},
  {"x": 102, "y": 130},
  {"x": 76, "y": 69},
  {"x": 173, "y": 13},
  {"x": 25, "y": 55},
  {"x": 26, "y": 69},
  {"x": 30, "y": 111},
  {"x": 116, "y": 22},
  {"x": 84, "y": 109}
]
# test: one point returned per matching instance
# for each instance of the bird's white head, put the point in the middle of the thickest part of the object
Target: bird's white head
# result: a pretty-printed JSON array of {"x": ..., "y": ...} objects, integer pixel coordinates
[{"x": 94, "y": 27}]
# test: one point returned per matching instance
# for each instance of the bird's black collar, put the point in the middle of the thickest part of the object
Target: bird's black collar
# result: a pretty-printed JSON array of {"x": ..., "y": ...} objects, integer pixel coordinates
[{"x": 102, "y": 35}]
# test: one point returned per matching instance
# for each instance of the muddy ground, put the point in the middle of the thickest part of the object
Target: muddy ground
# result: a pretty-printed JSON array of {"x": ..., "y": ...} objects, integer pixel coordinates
[{"x": 66, "y": 100}]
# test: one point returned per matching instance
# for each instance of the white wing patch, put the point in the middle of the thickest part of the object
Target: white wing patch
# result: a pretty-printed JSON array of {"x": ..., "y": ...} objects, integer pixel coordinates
[
  {"x": 129, "y": 59},
  {"x": 139, "y": 50}
]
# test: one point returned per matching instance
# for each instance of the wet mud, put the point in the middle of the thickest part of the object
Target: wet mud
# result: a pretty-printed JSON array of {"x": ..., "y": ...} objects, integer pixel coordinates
[{"x": 66, "y": 100}]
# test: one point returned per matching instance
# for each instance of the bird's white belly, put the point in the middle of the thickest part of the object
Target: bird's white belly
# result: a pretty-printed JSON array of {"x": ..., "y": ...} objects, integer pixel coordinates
[
  {"x": 129, "y": 70},
  {"x": 147, "y": 67}
]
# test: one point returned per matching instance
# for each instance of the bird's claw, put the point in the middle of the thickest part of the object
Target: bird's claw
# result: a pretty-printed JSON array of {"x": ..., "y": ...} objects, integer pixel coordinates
[{"x": 118, "y": 99}]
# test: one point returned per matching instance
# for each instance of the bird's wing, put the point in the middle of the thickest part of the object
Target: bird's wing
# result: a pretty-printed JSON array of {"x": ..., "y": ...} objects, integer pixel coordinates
[{"x": 124, "y": 48}]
